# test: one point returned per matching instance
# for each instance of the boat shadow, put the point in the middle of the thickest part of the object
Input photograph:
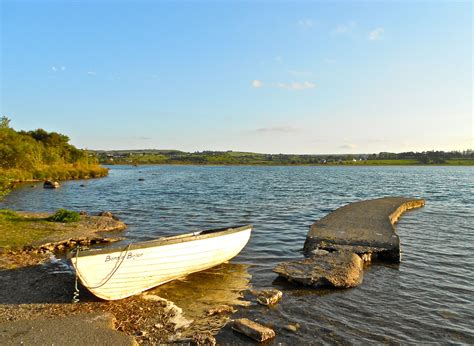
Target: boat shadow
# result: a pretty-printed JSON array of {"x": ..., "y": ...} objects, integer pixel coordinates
[
  {"x": 48, "y": 283},
  {"x": 53, "y": 282}
]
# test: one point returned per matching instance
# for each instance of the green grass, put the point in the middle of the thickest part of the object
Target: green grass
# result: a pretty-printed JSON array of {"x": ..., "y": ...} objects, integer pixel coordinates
[
  {"x": 64, "y": 215},
  {"x": 18, "y": 231},
  {"x": 460, "y": 162}
]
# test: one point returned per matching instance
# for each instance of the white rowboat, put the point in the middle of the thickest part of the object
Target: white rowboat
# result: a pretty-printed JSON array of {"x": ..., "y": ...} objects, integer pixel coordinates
[{"x": 113, "y": 274}]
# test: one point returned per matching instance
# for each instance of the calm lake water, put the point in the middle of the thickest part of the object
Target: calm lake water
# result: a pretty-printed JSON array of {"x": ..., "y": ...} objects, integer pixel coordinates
[{"x": 429, "y": 297}]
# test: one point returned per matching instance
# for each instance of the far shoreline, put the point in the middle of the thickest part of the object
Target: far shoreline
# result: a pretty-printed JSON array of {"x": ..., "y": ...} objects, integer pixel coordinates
[{"x": 470, "y": 164}]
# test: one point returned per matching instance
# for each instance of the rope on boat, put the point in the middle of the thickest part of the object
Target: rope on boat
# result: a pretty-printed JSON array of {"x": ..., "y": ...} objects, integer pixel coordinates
[{"x": 75, "y": 297}]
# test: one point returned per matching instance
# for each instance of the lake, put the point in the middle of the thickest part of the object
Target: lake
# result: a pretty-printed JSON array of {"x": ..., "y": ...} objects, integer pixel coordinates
[{"x": 428, "y": 297}]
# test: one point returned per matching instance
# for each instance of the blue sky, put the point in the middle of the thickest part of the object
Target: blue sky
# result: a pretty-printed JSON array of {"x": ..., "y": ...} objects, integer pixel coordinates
[{"x": 275, "y": 77}]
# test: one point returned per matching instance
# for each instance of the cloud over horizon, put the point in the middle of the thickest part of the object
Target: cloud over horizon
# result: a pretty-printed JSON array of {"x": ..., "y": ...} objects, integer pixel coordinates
[{"x": 348, "y": 146}]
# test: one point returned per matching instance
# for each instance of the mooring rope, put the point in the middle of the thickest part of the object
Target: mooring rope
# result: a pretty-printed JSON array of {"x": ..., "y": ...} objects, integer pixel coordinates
[
  {"x": 75, "y": 295},
  {"x": 75, "y": 298}
]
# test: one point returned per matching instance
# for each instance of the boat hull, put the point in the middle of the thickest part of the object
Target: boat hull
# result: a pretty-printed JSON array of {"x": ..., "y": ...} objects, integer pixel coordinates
[{"x": 113, "y": 275}]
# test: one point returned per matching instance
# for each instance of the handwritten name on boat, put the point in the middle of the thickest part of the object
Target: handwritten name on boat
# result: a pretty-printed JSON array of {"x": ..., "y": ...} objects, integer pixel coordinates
[{"x": 128, "y": 256}]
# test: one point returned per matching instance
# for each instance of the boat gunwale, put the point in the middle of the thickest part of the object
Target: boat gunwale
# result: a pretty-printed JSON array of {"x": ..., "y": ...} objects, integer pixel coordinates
[{"x": 170, "y": 240}]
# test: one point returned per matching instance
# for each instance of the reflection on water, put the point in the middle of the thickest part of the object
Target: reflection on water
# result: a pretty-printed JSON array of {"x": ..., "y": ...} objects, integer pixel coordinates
[
  {"x": 427, "y": 298},
  {"x": 197, "y": 293}
]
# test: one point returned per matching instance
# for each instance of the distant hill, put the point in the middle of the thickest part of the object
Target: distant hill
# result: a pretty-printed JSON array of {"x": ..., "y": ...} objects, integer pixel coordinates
[{"x": 155, "y": 156}]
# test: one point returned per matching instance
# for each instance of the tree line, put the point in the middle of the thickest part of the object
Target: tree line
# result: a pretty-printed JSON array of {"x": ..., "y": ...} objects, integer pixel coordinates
[
  {"x": 245, "y": 158},
  {"x": 38, "y": 155}
]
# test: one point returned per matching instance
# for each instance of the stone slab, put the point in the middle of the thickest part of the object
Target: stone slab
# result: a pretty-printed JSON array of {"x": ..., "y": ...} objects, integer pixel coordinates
[
  {"x": 362, "y": 227},
  {"x": 336, "y": 269},
  {"x": 253, "y": 329}
]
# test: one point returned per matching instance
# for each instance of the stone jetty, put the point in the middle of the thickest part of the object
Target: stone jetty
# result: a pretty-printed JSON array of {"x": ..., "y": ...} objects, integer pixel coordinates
[
  {"x": 365, "y": 228},
  {"x": 337, "y": 245}
]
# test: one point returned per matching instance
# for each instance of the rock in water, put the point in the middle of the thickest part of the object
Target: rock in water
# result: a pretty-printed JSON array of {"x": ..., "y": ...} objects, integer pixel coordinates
[
  {"x": 336, "y": 269},
  {"x": 50, "y": 184},
  {"x": 269, "y": 296},
  {"x": 253, "y": 329},
  {"x": 106, "y": 214}
]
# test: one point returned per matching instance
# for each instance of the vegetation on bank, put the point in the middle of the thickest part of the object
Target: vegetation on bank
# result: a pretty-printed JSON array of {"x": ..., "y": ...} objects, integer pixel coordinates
[
  {"x": 140, "y": 157},
  {"x": 19, "y": 230},
  {"x": 41, "y": 155},
  {"x": 65, "y": 229},
  {"x": 64, "y": 215}
]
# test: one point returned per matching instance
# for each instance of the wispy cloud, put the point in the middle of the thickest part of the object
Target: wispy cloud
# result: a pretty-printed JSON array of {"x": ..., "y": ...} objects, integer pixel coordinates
[
  {"x": 305, "y": 23},
  {"x": 257, "y": 83},
  {"x": 296, "y": 85},
  {"x": 277, "y": 129},
  {"x": 345, "y": 28},
  {"x": 376, "y": 34},
  {"x": 58, "y": 68},
  {"x": 348, "y": 146},
  {"x": 91, "y": 73},
  {"x": 329, "y": 60}
]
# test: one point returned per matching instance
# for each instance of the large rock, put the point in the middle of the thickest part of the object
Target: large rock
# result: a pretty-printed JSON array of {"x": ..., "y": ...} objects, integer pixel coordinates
[
  {"x": 51, "y": 184},
  {"x": 336, "y": 269},
  {"x": 365, "y": 227}
]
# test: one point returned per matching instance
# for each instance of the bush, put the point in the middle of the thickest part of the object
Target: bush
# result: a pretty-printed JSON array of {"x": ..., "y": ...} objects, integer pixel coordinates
[{"x": 64, "y": 215}]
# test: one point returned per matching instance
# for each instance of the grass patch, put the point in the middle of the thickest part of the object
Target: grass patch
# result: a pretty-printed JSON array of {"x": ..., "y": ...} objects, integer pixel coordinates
[
  {"x": 17, "y": 231},
  {"x": 460, "y": 162},
  {"x": 64, "y": 215}
]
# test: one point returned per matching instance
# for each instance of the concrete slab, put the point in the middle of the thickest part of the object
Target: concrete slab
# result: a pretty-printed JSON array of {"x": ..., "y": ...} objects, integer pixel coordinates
[{"x": 365, "y": 227}]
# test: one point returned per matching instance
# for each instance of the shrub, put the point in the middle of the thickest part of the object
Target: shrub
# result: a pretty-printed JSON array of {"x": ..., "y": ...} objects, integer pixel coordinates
[
  {"x": 9, "y": 215},
  {"x": 64, "y": 215}
]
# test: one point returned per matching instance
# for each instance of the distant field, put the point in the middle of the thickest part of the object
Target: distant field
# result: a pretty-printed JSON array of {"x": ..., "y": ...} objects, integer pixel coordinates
[
  {"x": 382, "y": 162},
  {"x": 255, "y": 159},
  {"x": 460, "y": 162}
]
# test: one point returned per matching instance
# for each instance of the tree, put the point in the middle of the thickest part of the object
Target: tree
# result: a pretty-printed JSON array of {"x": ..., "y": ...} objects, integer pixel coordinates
[{"x": 4, "y": 123}]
